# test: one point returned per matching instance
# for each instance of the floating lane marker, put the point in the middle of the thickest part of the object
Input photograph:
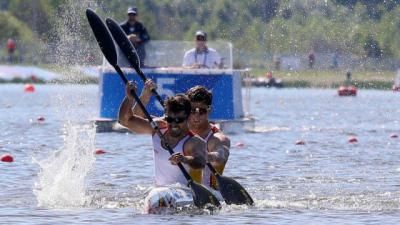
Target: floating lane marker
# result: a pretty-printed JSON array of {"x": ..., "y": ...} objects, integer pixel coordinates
[
  {"x": 300, "y": 142},
  {"x": 239, "y": 145},
  {"x": 353, "y": 140},
  {"x": 29, "y": 88},
  {"x": 99, "y": 151},
  {"x": 7, "y": 158}
]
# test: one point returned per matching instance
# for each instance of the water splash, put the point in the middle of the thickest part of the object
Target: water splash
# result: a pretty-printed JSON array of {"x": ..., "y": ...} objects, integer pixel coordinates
[
  {"x": 61, "y": 180},
  {"x": 71, "y": 45}
]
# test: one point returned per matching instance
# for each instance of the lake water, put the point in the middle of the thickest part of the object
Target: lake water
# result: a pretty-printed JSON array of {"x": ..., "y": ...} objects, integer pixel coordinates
[{"x": 56, "y": 178}]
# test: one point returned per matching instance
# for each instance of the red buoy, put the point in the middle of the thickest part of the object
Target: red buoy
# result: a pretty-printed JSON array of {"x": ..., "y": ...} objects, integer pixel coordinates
[
  {"x": 41, "y": 119},
  {"x": 353, "y": 140},
  {"x": 347, "y": 91},
  {"x": 99, "y": 151},
  {"x": 300, "y": 142},
  {"x": 7, "y": 158},
  {"x": 394, "y": 136},
  {"x": 29, "y": 88}
]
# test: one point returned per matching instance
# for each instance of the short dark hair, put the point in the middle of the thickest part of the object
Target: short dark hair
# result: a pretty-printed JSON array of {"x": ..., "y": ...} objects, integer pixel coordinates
[
  {"x": 200, "y": 94},
  {"x": 178, "y": 103}
]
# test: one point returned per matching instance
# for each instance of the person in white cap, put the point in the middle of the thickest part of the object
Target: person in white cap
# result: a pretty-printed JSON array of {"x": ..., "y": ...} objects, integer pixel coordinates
[
  {"x": 136, "y": 33},
  {"x": 201, "y": 57}
]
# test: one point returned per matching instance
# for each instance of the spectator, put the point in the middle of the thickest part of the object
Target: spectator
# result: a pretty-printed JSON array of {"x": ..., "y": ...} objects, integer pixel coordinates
[
  {"x": 136, "y": 32},
  {"x": 277, "y": 61},
  {"x": 348, "y": 77},
  {"x": 11, "y": 46},
  {"x": 335, "y": 61},
  {"x": 202, "y": 56},
  {"x": 311, "y": 59}
]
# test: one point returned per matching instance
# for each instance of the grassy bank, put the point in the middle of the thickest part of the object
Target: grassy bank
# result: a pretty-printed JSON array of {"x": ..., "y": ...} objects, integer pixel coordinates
[
  {"x": 298, "y": 79},
  {"x": 333, "y": 79}
]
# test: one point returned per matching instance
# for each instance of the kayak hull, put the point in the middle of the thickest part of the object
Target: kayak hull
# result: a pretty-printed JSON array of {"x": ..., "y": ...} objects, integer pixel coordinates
[{"x": 170, "y": 199}]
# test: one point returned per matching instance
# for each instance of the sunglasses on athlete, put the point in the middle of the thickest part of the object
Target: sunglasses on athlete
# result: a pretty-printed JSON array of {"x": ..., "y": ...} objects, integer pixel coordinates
[
  {"x": 171, "y": 119},
  {"x": 200, "y": 111}
]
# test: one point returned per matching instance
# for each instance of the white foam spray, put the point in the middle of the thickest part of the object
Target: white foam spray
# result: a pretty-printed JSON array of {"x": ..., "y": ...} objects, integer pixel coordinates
[{"x": 61, "y": 180}]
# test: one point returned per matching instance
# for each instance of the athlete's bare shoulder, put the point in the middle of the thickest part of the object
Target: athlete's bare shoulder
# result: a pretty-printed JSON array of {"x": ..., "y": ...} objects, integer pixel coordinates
[{"x": 221, "y": 138}]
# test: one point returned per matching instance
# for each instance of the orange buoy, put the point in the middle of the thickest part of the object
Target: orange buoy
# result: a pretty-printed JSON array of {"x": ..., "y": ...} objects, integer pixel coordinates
[
  {"x": 40, "y": 119},
  {"x": 29, "y": 88},
  {"x": 300, "y": 142},
  {"x": 7, "y": 158},
  {"x": 394, "y": 136},
  {"x": 353, "y": 140},
  {"x": 99, "y": 151}
]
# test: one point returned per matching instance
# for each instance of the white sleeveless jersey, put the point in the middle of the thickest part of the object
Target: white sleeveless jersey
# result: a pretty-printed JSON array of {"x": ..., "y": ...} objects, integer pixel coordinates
[{"x": 165, "y": 172}]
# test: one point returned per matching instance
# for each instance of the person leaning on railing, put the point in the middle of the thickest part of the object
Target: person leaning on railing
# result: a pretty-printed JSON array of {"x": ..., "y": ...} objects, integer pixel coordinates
[{"x": 202, "y": 57}]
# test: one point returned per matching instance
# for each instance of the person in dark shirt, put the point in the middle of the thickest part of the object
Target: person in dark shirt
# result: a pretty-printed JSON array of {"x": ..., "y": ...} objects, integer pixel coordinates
[{"x": 136, "y": 32}]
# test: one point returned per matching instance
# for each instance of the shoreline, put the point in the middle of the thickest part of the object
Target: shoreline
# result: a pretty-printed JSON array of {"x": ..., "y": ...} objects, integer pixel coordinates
[
  {"x": 379, "y": 80},
  {"x": 293, "y": 83},
  {"x": 325, "y": 79}
]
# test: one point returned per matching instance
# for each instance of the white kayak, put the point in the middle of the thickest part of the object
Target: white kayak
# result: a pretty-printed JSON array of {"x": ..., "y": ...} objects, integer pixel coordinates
[{"x": 169, "y": 199}]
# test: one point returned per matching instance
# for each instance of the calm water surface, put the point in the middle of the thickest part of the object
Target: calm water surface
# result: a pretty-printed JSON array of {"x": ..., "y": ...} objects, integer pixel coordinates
[{"x": 56, "y": 179}]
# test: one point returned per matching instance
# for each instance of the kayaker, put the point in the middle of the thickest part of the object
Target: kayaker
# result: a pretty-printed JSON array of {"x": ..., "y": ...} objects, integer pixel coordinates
[
  {"x": 218, "y": 144},
  {"x": 189, "y": 148}
]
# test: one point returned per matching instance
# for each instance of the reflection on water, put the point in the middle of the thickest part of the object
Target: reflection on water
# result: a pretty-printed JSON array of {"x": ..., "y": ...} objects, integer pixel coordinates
[{"x": 327, "y": 180}]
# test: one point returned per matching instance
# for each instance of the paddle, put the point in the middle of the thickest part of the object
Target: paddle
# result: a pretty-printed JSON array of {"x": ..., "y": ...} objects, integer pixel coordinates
[
  {"x": 201, "y": 196},
  {"x": 231, "y": 190},
  {"x": 129, "y": 51}
]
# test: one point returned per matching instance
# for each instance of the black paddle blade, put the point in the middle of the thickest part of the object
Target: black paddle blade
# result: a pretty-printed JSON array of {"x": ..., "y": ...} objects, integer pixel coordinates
[
  {"x": 203, "y": 197},
  {"x": 129, "y": 51},
  {"x": 233, "y": 192},
  {"x": 103, "y": 37},
  {"x": 124, "y": 43}
]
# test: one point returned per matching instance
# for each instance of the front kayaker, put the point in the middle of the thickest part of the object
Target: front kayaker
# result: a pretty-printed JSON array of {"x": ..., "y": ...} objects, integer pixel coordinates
[
  {"x": 171, "y": 185},
  {"x": 217, "y": 145},
  {"x": 189, "y": 148}
]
